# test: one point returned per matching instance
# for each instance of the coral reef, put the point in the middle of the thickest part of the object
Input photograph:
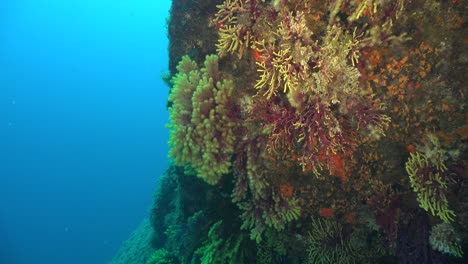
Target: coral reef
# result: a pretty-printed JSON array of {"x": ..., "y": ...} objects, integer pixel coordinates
[{"x": 351, "y": 113}]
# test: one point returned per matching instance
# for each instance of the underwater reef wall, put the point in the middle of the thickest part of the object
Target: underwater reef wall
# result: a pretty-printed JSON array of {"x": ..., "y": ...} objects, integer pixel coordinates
[
  {"x": 187, "y": 19},
  {"x": 306, "y": 131},
  {"x": 137, "y": 248}
]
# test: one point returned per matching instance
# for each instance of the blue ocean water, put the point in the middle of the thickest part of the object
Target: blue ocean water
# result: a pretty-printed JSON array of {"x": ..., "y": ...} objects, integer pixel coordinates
[{"x": 82, "y": 125}]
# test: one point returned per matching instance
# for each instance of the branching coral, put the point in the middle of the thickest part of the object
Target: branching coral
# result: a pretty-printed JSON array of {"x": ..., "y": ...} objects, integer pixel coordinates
[
  {"x": 318, "y": 78},
  {"x": 327, "y": 243},
  {"x": 327, "y": 70},
  {"x": 219, "y": 248},
  {"x": 317, "y": 137},
  {"x": 272, "y": 211},
  {"x": 428, "y": 182},
  {"x": 336, "y": 78},
  {"x": 233, "y": 22},
  {"x": 232, "y": 40},
  {"x": 274, "y": 247},
  {"x": 263, "y": 204},
  {"x": 278, "y": 73},
  {"x": 250, "y": 170},
  {"x": 202, "y": 119},
  {"x": 285, "y": 64}
]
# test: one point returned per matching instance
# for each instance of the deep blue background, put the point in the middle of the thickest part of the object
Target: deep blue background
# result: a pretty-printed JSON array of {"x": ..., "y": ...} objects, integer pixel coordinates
[{"x": 82, "y": 115}]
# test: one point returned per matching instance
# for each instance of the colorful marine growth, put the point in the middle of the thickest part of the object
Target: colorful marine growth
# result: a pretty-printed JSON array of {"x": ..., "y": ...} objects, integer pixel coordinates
[{"x": 317, "y": 132}]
